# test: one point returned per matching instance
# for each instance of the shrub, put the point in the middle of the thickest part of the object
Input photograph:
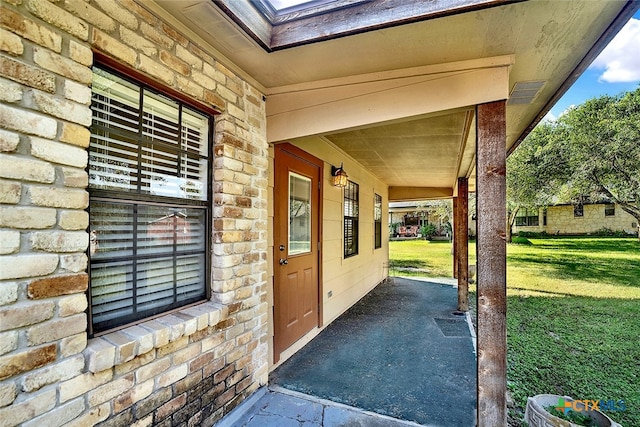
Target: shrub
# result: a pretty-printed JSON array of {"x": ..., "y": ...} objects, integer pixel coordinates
[
  {"x": 428, "y": 231},
  {"x": 519, "y": 240},
  {"x": 572, "y": 416},
  {"x": 533, "y": 234},
  {"x": 607, "y": 232},
  {"x": 393, "y": 228}
]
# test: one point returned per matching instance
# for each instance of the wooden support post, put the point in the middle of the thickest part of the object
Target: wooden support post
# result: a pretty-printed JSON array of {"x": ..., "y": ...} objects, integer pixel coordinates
[
  {"x": 462, "y": 238},
  {"x": 492, "y": 264},
  {"x": 454, "y": 236}
]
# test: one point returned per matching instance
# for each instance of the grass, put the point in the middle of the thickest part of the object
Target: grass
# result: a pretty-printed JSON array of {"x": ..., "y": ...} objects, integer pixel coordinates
[
  {"x": 573, "y": 316},
  {"x": 423, "y": 258}
]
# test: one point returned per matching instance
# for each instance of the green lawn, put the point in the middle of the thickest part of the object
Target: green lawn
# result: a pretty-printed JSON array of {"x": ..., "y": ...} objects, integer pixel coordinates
[
  {"x": 423, "y": 258},
  {"x": 573, "y": 319}
]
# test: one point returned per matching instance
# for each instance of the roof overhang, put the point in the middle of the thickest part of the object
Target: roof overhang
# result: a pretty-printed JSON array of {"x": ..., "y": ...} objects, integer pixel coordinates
[
  {"x": 383, "y": 98},
  {"x": 400, "y": 98}
]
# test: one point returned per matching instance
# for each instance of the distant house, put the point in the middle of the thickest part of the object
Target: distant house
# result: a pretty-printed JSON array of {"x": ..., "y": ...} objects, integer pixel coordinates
[
  {"x": 585, "y": 218},
  {"x": 415, "y": 215},
  {"x": 407, "y": 218}
]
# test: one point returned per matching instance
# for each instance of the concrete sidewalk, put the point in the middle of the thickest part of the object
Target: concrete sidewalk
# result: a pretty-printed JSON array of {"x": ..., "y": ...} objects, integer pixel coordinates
[{"x": 278, "y": 407}]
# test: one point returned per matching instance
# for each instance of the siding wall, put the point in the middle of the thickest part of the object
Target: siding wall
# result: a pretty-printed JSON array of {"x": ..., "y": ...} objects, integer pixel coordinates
[
  {"x": 349, "y": 279},
  {"x": 186, "y": 368}
]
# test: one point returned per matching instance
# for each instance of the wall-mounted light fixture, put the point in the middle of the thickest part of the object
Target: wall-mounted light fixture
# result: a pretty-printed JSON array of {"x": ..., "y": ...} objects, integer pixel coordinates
[{"x": 339, "y": 176}]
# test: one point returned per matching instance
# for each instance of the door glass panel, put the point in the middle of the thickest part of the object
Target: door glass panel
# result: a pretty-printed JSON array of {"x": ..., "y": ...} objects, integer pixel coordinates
[{"x": 299, "y": 214}]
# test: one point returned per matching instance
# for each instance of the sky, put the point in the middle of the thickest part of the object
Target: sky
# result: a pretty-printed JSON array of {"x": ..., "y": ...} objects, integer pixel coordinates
[
  {"x": 615, "y": 70},
  {"x": 282, "y": 4}
]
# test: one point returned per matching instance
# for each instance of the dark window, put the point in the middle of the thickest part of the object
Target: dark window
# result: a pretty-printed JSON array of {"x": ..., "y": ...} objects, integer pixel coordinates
[
  {"x": 578, "y": 210},
  {"x": 411, "y": 219},
  {"x": 149, "y": 202},
  {"x": 351, "y": 213},
  {"x": 610, "y": 209},
  {"x": 527, "y": 218},
  {"x": 377, "y": 221}
]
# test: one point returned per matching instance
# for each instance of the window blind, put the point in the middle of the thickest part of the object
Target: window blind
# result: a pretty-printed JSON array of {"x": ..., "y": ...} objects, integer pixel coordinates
[
  {"x": 149, "y": 207},
  {"x": 146, "y": 143},
  {"x": 377, "y": 221},
  {"x": 351, "y": 214}
]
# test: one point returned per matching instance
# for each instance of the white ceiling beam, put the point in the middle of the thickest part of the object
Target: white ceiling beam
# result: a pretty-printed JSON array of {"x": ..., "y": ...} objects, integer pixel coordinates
[
  {"x": 318, "y": 111},
  {"x": 407, "y": 194}
]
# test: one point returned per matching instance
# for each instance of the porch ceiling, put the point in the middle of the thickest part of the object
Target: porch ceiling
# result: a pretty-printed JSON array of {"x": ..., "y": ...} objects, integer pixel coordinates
[
  {"x": 400, "y": 100},
  {"x": 402, "y": 154}
]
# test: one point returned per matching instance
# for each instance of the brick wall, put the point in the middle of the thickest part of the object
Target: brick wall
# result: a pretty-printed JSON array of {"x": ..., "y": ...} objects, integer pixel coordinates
[{"x": 185, "y": 368}]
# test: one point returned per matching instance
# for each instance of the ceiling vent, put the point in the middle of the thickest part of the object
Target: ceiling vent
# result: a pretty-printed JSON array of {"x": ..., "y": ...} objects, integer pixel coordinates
[{"x": 524, "y": 92}]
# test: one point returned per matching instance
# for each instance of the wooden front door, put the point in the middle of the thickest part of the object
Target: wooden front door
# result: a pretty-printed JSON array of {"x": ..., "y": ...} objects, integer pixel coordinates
[{"x": 296, "y": 245}]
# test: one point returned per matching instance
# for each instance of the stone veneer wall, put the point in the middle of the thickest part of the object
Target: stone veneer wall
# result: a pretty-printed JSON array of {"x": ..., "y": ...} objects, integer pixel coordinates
[
  {"x": 561, "y": 220},
  {"x": 186, "y": 368}
]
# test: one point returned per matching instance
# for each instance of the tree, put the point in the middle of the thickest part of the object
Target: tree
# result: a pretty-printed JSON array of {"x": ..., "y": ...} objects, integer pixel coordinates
[
  {"x": 600, "y": 143},
  {"x": 532, "y": 173},
  {"x": 441, "y": 208},
  {"x": 590, "y": 152}
]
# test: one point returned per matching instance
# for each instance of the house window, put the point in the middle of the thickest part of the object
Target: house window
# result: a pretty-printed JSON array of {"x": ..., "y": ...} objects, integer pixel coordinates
[
  {"x": 527, "y": 218},
  {"x": 578, "y": 210},
  {"x": 377, "y": 221},
  {"x": 351, "y": 210},
  {"x": 149, "y": 202},
  {"x": 610, "y": 209}
]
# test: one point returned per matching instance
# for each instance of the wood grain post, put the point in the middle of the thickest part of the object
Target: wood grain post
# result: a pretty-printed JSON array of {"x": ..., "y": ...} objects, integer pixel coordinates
[
  {"x": 462, "y": 238},
  {"x": 454, "y": 237},
  {"x": 492, "y": 264}
]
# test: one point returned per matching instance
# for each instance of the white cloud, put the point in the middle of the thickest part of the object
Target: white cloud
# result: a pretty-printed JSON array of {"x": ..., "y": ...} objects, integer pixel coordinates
[
  {"x": 549, "y": 117},
  {"x": 569, "y": 108},
  {"x": 620, "y": 59}
]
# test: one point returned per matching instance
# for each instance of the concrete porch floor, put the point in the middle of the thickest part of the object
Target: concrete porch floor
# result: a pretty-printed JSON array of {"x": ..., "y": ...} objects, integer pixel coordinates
[
  {"x": 278, "y": 407},
  {"x": 398, "y": 357}
]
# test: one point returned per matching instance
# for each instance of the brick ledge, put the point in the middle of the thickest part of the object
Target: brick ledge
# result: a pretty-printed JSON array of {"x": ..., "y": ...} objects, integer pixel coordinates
[{"x": 119, "y": 347}]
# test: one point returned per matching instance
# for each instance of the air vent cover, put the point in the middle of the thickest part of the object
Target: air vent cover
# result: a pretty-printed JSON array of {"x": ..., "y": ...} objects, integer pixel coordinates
[{"x": 524, "y": 92}]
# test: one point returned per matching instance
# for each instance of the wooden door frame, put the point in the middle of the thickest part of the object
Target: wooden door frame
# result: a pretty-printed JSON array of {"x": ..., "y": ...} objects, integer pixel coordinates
[{"x": 289, "y": 149}]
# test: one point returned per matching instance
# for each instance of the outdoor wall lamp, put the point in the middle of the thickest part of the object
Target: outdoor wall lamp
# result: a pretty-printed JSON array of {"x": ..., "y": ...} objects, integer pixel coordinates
[{"x": 339, "y": 176}]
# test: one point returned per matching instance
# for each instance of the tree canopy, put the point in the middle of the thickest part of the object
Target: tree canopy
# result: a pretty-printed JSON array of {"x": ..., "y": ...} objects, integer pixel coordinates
[
  {"x": 528, "y": 185},
  {"x": 592, "y": 152}
]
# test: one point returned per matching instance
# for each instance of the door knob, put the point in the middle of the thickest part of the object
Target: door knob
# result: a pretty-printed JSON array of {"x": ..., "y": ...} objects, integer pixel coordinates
[{"x": 284, "y": 261}]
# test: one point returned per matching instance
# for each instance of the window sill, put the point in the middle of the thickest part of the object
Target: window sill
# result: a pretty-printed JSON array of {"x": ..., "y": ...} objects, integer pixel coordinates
[{"x": 119, "y": 347}]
